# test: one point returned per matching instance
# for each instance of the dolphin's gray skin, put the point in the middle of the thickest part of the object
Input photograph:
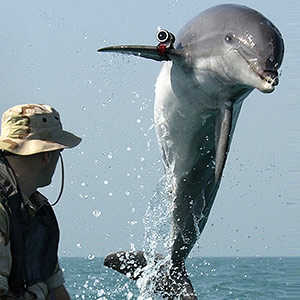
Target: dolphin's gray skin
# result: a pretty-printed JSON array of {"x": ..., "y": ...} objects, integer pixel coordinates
[{"x": 219, "y": 57}]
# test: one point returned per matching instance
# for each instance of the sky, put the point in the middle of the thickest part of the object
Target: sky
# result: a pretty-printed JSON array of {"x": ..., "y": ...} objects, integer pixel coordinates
[{"x": 48, "y": 55}]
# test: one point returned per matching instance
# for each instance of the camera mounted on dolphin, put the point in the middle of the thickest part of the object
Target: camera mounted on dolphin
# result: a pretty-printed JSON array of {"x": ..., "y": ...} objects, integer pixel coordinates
[{"x": 162, "y": 52}]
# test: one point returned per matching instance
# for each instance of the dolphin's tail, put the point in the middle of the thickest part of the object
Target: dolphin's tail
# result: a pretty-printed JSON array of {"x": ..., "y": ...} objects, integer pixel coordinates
[
  {"x": 172, "y": 281},
  {"x": 129, "y": 263}
]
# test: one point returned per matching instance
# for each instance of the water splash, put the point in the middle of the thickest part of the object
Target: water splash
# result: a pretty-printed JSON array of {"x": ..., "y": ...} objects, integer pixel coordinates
[{"x": 157, "y": 239}]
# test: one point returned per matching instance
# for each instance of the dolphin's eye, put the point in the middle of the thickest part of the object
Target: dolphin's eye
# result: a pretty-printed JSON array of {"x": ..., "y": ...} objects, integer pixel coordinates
[{"x": 229, "y": 37}]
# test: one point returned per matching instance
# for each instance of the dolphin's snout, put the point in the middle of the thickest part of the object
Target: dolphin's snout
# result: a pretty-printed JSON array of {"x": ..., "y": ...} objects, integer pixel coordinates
[{"x": 271, "y": 77}]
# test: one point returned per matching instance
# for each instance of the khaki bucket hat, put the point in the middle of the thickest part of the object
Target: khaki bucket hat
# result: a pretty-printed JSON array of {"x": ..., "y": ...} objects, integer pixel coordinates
[{"x": 33, "y": 128}]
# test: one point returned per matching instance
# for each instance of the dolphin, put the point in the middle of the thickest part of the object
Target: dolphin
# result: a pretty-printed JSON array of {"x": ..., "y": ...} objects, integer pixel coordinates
[{"x": 216, "y": 61}]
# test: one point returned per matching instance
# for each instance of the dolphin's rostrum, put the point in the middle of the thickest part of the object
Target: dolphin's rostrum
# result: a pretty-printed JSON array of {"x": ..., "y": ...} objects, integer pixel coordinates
[{"x": 218, "y": 58}]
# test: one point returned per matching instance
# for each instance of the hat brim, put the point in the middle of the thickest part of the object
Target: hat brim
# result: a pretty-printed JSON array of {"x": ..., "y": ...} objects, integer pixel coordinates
[{"x": 29, "y": 146}]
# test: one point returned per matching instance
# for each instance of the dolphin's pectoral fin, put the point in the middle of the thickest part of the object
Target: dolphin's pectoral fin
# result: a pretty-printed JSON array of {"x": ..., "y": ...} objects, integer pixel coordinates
[
  {"x": 143, "y": 51},
  {"x": 151, "y": 52},
  {"x": 129, "y": 263},
  {"x": 163, "y": 51},
  {"x": 225, "y": 126},
  {"x": 223, "y": 139}
]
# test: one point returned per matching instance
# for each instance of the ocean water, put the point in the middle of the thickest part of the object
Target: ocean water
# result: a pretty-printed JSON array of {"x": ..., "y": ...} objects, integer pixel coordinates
[{"x": 213, "y": 278}]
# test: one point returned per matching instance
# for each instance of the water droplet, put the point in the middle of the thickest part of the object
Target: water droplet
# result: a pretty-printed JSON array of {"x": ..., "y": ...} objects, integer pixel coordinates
[
  {"x": 91, "y": 256},
  {"x": 136, "y": 95},
  {"x": 97, "y": 213},
  {"x": 105, "y": 182},
  {"x": 78, "y": 245}
]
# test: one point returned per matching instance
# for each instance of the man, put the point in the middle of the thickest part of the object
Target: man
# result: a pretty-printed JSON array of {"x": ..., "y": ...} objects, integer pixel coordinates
[{"x": 30, "y": 144}]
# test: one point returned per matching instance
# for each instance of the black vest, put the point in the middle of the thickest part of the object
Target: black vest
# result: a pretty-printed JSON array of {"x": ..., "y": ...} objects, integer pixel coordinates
[{"x": 34, "y": 239}]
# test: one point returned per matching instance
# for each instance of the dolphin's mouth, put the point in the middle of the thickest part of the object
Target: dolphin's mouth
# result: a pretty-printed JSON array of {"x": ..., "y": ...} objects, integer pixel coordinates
[{"x": 270, "y": 77}]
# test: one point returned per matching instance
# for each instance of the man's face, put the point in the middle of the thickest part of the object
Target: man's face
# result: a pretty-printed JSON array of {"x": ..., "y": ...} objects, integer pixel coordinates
[{"x": 50, "y": 159}]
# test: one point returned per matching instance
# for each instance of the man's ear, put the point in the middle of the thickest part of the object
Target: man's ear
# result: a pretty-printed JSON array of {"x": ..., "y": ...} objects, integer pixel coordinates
[{"x": 46, "y": 156}]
